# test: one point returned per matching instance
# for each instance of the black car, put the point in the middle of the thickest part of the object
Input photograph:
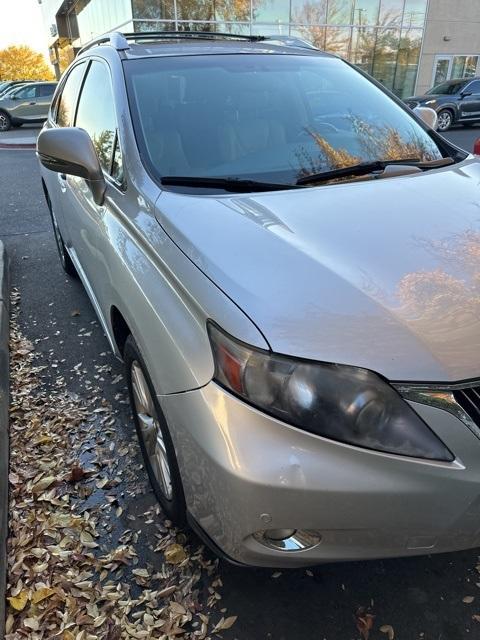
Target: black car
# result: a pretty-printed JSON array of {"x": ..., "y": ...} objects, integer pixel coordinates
[{"x": 455, "y": 101}]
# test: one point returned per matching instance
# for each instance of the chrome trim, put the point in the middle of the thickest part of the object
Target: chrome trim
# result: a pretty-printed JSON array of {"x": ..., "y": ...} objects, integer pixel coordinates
[
  {"x": 441, "y": 397},
  {"x": 298, "y": 541}
]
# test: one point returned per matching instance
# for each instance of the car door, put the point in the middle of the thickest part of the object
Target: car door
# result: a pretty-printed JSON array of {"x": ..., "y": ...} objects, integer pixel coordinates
[
  {"x": 469, "y": 105},
  {"x": 62, "y": 115},
  {"x": 24, "y": 105},
  {"x": 44, "y": 97},
  {"x": 85, "y": 219}
]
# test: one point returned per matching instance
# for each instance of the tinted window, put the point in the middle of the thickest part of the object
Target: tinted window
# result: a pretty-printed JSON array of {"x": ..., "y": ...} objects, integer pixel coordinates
[
  {"x": 265, "y": 117},
  {"x": 45, "y": 90},
  {"x": 473, "y": 87},
  {"x": 96, "y": 112},
  {"x": 447, "y": 88},
  {"x": 26, "y": 92},
  {"x": 67, "y": 99}
]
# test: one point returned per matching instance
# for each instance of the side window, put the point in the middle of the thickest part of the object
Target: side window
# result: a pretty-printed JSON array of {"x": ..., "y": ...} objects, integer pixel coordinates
[
  {"x": 26, "y": 93},
  {"x": 68, "y": 96},
  {"x": 96, "y": 114},
  {"x": 473, "y": 87},
  {"x": 44, "y": 90}
]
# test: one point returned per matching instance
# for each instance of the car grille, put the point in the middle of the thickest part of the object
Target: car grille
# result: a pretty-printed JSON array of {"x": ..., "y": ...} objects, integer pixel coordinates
[{"x": 469, "y": 400}]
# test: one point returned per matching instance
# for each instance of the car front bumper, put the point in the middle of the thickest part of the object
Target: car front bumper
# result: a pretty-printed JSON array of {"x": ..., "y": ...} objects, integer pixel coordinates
[{"x": 245, "y": 472}]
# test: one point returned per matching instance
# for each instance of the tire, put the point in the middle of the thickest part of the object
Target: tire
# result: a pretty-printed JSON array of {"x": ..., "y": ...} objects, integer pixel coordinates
[
  {"x": 445, "y": 120},
  {"x": 65, "y": 260},
  {"x": 154, "y": 437},
  {"x": 5, "y": 121}
]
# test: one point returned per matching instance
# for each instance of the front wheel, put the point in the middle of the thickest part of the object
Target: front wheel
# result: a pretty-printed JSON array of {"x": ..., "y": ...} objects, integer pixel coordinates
[
  {"x": 154, "y": 437},
  {"x": 445, "y": 120},
  {"x": 5, "y": 121}
]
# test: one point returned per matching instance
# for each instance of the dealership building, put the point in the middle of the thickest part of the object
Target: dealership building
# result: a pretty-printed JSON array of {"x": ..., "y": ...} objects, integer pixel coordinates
[{"x": 408, "y": 45}]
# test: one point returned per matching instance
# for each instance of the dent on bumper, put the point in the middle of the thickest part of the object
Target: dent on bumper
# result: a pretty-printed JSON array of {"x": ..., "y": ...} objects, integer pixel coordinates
[{"x": 244, "y": 472}]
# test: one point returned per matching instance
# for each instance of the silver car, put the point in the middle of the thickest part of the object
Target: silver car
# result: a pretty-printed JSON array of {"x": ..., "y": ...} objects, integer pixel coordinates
[
  {"x": 28, "y": 103},
  {"x": 287, "y": 259}
]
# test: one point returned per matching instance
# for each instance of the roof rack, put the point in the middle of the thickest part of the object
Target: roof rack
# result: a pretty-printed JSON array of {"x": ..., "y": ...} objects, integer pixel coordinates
[{"x": 120, "y": 41}]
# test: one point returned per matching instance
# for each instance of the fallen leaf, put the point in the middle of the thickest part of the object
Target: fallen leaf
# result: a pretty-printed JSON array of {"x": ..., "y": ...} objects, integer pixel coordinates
[
  {"x": 43, "y": 484},
  {"x": 388, "y": 629},
  {"x": 42, "y": 594},
  {"x": 225, "y": 623},
  {"x": 175, "y": 554},
  {"x": 364, "y": 621},
  {"x": 19, "y": 602}
]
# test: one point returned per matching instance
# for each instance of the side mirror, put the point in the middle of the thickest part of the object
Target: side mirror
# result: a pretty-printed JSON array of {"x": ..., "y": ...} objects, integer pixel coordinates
[
  {"x": 429, "y": 116},
  {"x": 70, "y": 150},
  {"x": 464, "y": 94}
]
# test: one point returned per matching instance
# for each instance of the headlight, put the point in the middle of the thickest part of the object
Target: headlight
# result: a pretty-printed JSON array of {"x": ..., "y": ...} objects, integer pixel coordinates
[
  {"x": 343, "y": 403},
  {"x": 430, "y": 102}
]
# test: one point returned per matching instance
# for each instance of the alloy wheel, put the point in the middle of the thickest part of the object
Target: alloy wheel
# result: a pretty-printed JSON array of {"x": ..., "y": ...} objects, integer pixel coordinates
[
  {"x": 150, "y": 430},
  {"x": 444, "y": 120}
]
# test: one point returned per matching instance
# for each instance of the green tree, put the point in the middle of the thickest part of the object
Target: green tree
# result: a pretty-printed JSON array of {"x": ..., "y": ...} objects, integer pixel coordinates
[{"x": 23, "y": 63}]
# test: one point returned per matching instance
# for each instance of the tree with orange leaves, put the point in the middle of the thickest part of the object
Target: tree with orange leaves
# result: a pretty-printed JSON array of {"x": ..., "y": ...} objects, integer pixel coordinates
[{"x": 23, "y": 63}]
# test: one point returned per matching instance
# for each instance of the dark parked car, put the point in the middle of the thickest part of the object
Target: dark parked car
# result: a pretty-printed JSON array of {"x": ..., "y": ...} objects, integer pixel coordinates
[{"x": 455, "y": 101}]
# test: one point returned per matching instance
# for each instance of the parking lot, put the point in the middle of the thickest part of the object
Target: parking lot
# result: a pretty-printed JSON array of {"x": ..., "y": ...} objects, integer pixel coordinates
[{"x": 420, "y": 598}]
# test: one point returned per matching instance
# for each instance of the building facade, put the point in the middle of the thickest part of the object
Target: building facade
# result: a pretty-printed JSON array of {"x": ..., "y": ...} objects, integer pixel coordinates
[{"x": 406, "y": 44}]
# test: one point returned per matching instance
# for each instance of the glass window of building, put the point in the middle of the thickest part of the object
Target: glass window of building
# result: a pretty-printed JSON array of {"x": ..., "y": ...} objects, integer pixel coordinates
[
  {"x": 153, "y": 10},
  {"x": 340, "y": 12},
  {"x": 365, "y": 12},
  {"x": 382, "y": 37},
  {"x": 414, "y": 13},
  {"x": 273, "y": 11},
  {"x": 309, "y": 12},
  {"x": 385, "y": 56},
  {"x": 464, "y": 66},
  {"x": 391, "y": 13}
]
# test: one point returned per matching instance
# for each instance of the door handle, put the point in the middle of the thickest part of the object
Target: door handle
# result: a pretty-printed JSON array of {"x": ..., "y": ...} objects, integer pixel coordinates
[{"x": 32, "y": 103}]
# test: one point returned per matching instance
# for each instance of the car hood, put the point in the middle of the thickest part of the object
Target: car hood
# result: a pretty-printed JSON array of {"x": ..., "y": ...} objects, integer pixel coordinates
[{"x": 382, "y": 274}]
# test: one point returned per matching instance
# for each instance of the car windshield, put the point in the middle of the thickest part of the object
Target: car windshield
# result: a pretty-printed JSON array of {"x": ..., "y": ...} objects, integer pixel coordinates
[
  {"x": 265, "y": 117},
  {"x": 447, "y": 88}
]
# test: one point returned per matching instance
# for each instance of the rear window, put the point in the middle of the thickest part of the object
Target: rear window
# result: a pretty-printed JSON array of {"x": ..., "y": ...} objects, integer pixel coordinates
[{"x": 276, "y": 117}]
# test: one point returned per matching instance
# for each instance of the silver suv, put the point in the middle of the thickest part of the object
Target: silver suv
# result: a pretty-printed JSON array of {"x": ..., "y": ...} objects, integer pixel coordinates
[
  {"x": 286, "y": 258},
  {"x": 28, "y": 103}
]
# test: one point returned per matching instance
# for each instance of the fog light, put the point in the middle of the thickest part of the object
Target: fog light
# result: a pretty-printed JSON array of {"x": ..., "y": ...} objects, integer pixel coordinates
[{"x": 288, "y": 539}]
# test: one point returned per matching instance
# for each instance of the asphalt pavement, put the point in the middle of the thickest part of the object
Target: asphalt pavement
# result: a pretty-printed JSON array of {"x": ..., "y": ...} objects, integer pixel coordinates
[{"x": 421, "y": 598}]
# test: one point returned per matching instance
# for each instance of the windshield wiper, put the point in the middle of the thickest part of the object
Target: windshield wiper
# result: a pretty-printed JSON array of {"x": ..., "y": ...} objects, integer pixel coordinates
[
  {"x": 364, "y": 168},
  {"x": 235, "y": 185}
]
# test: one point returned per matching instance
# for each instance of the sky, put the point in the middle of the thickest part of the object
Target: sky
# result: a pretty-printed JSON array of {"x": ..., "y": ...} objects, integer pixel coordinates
[{"x": 21, "y": 23}]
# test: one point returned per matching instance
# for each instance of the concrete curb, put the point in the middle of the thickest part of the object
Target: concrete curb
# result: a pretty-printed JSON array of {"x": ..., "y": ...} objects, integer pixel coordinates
[
  {"x": 4, "y": 439},
  {"x": 17, "y": 146}
]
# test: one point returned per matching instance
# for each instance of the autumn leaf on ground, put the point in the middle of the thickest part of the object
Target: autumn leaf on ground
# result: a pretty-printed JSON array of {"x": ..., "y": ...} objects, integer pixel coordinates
[
  {"x": 364, "y": 621},
  {"x": 388, "y": 629},
  {"x": 77, "y": 473},
  {"x": 175, "y": 554},
  {"x": 19, "y": 602}
]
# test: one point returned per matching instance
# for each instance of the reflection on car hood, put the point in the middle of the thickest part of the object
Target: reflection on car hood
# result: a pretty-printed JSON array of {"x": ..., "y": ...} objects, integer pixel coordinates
[{"x": 383, "y": 274}]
